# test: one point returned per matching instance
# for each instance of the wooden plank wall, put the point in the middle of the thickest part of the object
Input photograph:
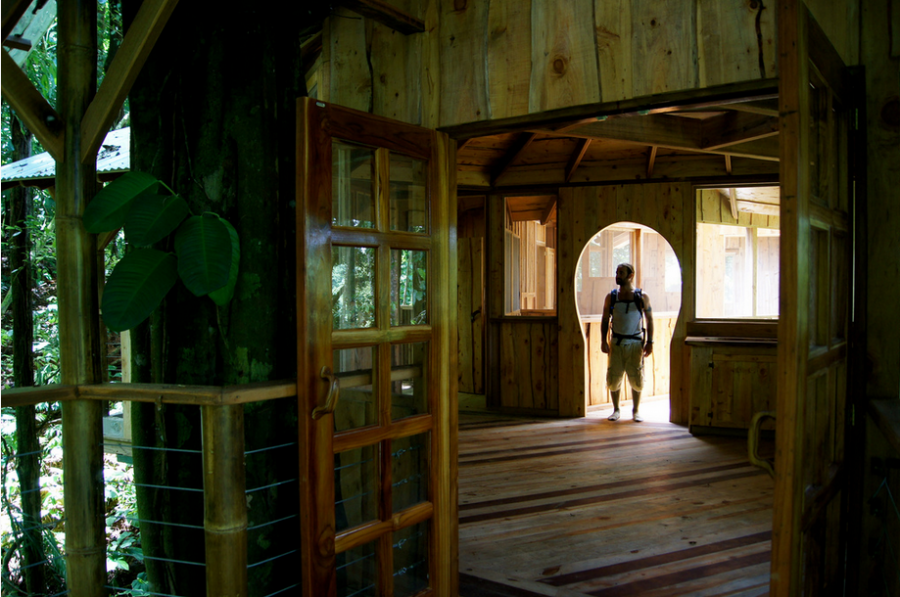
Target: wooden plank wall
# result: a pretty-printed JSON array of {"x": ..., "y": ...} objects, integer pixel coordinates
[
  {"x": 512, "y": 58},
  {"x": 480, "y": 61},
  {"x": 668, "y": 208},
  {"x": 470, "y": 307},
  {"x": 881, "y": 56}
]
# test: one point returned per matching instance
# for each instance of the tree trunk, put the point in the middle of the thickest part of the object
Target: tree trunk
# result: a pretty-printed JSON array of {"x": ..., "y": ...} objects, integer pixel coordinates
[
  {"x": 28, "y": 447},
  {"x": 213, "y": 115}
]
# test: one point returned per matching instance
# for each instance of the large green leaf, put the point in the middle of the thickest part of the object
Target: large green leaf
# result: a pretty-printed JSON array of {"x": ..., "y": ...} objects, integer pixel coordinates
[
  {"x": 108, "y": 208},
  {"x": 153, "y": 217},
  {"x": 203, "y": 246},
  {"x": 137, "y": 286},
  {"x": 224, "y": 294}
]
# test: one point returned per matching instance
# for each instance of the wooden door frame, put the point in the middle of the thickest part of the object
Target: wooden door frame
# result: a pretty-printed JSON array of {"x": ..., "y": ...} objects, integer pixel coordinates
[
  {"x": 803, "y": 41},
  {"x": 314, "y": 332}
]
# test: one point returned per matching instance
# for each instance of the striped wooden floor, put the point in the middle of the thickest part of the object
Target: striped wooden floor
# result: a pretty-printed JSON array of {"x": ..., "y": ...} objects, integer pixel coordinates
[{"x": 589, "y": 507}]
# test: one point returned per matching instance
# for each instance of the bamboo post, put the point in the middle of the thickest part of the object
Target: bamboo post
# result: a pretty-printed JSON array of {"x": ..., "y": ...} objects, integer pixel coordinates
[
  {"x": 78, "y": 307},
  {"x": 225, "y": 502}
]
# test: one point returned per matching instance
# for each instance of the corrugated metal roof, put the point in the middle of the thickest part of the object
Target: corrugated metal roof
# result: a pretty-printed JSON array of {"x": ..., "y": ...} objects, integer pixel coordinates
[{"x": 114, "y": 156}]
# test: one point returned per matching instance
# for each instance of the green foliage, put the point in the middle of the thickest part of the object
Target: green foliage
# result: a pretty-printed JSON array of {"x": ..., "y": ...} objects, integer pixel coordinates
[
  {"x": 223, "y": 295},
  {"x": 207, "y": 249},
  {"x": 137, "y": 285},
  {"x": 203, "y": 246},
  {"x": 110, "y": 207},
  {"x": 153, "y": 218}
]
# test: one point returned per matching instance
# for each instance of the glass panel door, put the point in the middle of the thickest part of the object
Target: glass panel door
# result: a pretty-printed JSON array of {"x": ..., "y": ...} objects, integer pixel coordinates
[{"x": 374, "y": 355}]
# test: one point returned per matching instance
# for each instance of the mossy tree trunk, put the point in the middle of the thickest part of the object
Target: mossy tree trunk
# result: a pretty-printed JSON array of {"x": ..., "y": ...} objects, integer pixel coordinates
[
  {"x": 213, "y": 115},
  {"x": 28, "y": 447}
]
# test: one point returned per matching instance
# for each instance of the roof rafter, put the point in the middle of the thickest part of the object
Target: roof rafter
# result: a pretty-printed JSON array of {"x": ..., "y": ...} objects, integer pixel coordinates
[
  {"x": 511, "y": 156},
  {"x": 651, "y": 160},
  {"x": 35, "y": 111},
  {"x": 733, "y": 128},
  {"x": 384, "y": 13},
  {"x": 576, "y": 157},
  {"x": 130, "y": 58},
  {"x": 12, "y": 12}
]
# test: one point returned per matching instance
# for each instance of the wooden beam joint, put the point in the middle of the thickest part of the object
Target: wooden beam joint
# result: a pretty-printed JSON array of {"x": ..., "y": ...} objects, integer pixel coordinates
[{"x": 387, "y": 15}]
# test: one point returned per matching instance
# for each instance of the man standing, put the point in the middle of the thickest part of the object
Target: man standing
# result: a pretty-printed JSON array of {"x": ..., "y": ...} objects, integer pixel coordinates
[{"x": 628, "y": 307}]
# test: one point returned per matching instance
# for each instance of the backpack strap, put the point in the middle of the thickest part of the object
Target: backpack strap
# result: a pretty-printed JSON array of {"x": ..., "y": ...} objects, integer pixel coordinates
[{"x": 614, "y": 293}]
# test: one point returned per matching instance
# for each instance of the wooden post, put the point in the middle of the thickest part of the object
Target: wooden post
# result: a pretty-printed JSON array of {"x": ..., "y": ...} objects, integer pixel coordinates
[
  {"x": 225, "y": 503},
  {"x": 78, "y": 307}
]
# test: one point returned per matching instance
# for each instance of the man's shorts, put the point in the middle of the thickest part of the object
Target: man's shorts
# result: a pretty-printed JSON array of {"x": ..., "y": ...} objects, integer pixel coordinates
[{"x": 625, "y": 358}]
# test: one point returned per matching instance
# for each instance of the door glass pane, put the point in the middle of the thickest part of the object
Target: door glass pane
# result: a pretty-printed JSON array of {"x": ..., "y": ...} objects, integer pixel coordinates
[
  {"x": 408, "y": 194},
  {"x": 409, "y": 379},
  {"x": 356, "y": 572},
  {"x": 352, "y": 287},
  {"x": 408, "y": 281},
  {"x": 409, "y": 474},
  {"x": 355, "y": 487},
  {"x": 352, "y": 186},
  {"x": 411, "y": 560},
  {"x": 355, "y": 368}
]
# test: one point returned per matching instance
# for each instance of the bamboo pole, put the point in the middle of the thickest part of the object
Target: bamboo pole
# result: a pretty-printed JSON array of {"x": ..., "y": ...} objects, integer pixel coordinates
[
  {"x": 225, "y": 503},
  {"x": 78, "y": 306}
]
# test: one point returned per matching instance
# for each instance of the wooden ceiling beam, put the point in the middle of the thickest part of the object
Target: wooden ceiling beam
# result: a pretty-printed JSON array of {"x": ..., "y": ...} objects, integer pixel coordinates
[
  {"x": 28, "y": 103},
  {"x": 12, "y": 13},
  {"x": 549, "y": 214},
  {"x": 733, "y": 128},
  {"x": 511, "y": 156},
  {"x": 655, "y": 129},
  {"x": 651, "y": 160},
  {"x": 763, "y": 108},
  {"x": 130, "y": 58},
  {"x": 717, "y": 96},
  {"x": 576, "y": 157},
  {"x": 732, "y": 202},
  {"x": 387, "y": 15},
  {"x": 17, "y": 42},
  {"x": 728, "y": 164}
]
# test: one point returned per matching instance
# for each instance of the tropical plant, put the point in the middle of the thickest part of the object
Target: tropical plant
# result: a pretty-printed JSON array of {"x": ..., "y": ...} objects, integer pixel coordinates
[{"x": 206, "y": 255}]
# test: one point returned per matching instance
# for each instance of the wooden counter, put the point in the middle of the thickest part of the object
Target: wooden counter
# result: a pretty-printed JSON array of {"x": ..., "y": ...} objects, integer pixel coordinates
[{"x": 731, "y": 379}]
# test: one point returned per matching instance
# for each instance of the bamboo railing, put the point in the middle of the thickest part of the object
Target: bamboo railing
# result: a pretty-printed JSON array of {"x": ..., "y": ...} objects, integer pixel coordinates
[{"x": 224, "y": 475}]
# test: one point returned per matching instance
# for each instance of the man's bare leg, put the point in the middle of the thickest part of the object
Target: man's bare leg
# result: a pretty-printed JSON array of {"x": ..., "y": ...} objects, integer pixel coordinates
[
  {"x": 636, "y": 401},
  {"x": 615, "y": 401}
]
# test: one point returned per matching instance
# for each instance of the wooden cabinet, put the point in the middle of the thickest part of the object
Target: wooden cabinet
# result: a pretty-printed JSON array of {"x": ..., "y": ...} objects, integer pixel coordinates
[{"x": 730, "y": 381}]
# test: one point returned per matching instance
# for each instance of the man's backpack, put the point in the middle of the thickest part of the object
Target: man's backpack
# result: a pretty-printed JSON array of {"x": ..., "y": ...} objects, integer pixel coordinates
[
  {"x": 638, "y": 299},
  {"x": 638, "y": 302}
]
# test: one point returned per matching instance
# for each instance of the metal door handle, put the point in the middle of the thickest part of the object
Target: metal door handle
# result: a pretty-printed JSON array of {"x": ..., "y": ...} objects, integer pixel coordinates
[
  {"x": 753, "y": 441},
  {"x": 334, "y": 391}
]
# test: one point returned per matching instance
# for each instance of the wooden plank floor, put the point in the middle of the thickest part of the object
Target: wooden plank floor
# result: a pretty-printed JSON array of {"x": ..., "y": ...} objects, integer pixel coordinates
[{"x": 590, "y": 507}]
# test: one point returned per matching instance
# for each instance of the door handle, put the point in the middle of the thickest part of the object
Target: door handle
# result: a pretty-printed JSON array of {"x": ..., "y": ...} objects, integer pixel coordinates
[
  {"x": 753, "y": 441},
  {"x": 334, "y": 390}
]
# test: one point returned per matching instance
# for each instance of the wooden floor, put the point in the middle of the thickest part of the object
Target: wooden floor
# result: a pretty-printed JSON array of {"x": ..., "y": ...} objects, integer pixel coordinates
[{"x": 590, "y": 507}]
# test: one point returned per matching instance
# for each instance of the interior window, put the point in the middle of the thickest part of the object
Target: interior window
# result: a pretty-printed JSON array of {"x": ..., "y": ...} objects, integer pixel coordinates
[
  {"x": 738, "y": 241},
  {"x": 530, "y": 255}
]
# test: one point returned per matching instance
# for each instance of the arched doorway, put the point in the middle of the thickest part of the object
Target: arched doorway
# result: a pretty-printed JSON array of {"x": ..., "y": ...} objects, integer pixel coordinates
[{"x": 659, "y": 275}]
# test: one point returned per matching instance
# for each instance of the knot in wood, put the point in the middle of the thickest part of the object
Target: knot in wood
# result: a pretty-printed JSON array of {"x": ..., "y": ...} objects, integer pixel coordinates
[{"x": 560, "y": 63}]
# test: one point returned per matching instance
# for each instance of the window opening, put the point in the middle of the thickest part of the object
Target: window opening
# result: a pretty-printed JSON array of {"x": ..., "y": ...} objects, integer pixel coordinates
[
  {"x": 530, "y": 255},
  {"x": 738, "y": 244}
]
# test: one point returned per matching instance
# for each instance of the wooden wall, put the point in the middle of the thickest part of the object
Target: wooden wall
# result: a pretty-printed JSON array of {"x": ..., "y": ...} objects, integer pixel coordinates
[
  {"x": 880, "y": 49},
  {"x": 470, "y": 309},
  {"x": 668, "y": 208},
  {"x": 510, "y": 58}
]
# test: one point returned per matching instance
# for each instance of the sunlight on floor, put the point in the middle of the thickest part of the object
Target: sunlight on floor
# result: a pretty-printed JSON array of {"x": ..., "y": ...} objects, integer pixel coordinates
[{"x": 655, "y": 410}]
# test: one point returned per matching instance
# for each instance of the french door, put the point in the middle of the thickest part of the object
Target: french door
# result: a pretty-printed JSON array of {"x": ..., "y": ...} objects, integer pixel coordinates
[
  {"x": 377, "y": 352},
  {"x": 817, "y": 204}
]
